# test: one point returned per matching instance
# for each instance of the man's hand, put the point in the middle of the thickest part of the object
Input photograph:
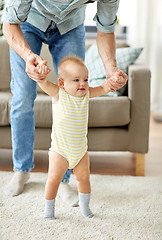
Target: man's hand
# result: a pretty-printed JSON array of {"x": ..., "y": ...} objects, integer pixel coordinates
[
  {"x": 32, "y": 70},
  {"x": 117, "y": 78}
]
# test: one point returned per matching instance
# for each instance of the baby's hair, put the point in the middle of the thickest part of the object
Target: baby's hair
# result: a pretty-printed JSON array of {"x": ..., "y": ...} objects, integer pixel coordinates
[{"x": 69, "y": 59}]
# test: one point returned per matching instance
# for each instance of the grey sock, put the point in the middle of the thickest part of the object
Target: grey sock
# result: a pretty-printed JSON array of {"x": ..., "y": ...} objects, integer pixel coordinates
[
  {"x": 84, "y": 199},
  {"x": 49, "y": 212}
]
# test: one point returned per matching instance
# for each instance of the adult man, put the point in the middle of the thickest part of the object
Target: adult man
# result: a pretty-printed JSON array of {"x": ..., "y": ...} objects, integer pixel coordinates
[{"x": 28, "y": 23}]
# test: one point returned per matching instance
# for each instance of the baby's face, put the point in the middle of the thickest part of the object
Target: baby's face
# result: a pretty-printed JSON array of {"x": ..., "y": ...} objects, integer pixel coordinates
[{"x": 76, "y": 80}]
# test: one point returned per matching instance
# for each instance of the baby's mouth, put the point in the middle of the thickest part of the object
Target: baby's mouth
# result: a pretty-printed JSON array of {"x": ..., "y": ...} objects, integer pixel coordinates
[{"x": 81, "y": 89}]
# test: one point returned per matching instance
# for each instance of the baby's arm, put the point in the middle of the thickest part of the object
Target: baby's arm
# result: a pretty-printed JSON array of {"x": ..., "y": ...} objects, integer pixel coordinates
[
  {"x": 106, "y": 87},
  {"x": 50, "y": 88}
]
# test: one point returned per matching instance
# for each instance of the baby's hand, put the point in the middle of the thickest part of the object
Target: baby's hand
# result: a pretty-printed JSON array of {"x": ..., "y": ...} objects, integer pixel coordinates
[
  {"x": 118, "y": 82},
  {"x": 117, "y": 78},
  {"x": 43, "y": 68},
  {"x": 114, "y": 83},
  {"x": 110, "y": 85}
]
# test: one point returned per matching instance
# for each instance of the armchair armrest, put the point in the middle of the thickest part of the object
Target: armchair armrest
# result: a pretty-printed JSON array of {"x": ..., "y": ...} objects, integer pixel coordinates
[
  {"x": 5, "y": 74},
  {"x": 139, "y": 95}
]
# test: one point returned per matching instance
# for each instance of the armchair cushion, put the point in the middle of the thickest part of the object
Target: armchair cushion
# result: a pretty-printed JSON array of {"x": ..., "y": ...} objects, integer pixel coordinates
[
  {"x": 109, "y": 112},
  {"x": 97, "y": 74}
]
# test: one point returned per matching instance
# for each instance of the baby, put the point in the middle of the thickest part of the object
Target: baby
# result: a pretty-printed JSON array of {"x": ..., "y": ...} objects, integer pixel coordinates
[{"x": 69, "y": 130}]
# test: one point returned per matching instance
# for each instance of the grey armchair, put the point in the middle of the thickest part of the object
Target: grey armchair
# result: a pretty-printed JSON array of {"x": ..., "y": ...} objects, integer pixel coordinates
[{"x": 115, "y": 123}]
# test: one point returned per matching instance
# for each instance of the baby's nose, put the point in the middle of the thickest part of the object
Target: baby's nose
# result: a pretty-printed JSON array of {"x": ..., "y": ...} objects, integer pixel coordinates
[{"x": 82, "y": 83}]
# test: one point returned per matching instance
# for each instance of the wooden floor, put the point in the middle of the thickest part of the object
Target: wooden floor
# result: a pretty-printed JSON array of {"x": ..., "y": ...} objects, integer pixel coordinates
[
  {"x": 154, "y": 157},
  {"x": 116, "y": 163}
]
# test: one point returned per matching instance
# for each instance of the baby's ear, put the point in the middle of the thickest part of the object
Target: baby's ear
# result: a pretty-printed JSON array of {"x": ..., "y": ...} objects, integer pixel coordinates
[{"x": 61, "y": 83}]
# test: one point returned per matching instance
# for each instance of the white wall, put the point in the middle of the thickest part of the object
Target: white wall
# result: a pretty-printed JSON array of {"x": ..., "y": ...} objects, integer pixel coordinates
[{"x": 145, "y": 31}]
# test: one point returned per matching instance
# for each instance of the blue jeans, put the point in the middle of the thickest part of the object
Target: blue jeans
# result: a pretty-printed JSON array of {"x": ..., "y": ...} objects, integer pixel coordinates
[{"x": 24, "y": 89}]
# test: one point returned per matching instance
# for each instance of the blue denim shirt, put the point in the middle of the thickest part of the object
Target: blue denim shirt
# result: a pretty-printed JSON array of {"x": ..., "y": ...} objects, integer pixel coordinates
[{"x": 67, "y": 14}]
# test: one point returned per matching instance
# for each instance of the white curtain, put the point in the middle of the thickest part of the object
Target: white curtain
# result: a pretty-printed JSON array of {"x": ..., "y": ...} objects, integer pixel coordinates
[{"x": 145, "y": 30}]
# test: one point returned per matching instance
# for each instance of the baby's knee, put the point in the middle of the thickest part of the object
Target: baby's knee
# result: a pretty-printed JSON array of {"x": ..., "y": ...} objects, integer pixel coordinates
[
  {"x": 83, "y": 177},
  {"x": 54, "y": 178}
]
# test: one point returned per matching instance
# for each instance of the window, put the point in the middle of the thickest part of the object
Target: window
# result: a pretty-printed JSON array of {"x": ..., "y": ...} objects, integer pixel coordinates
[
  {"x": 91, "y": 10},
  {"x": 123, "y": 14}
]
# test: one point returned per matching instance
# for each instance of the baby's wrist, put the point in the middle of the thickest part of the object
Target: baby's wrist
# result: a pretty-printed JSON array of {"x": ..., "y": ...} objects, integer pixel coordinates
[
  {"x": 42, "y": 81},
  {"x": 105, "y": 87}
]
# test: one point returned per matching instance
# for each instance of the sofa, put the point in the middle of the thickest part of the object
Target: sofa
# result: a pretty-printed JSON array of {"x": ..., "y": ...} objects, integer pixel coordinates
[{"x": 115, "y": 123}]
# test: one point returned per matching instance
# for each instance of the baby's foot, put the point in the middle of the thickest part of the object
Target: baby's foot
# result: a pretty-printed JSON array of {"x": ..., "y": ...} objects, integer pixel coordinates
[
  {"x": 49, "y": 212},
  {"x": 84, "y": 199}
]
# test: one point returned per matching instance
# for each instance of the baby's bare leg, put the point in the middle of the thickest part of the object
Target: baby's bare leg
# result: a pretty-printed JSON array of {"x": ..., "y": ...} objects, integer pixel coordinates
[
  {"x": 82, "y": 173},
  {"x": 58, "y": 165}
]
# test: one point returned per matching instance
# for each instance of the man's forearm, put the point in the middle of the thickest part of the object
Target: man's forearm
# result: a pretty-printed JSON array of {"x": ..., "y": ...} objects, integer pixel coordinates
[
  {"x": 16, "y": 40},
  {"x": 107, "y": 49}
]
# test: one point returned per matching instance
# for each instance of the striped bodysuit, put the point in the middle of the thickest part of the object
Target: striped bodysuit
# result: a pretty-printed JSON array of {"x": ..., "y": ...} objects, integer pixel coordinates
[{"x": 69, "y": 129}]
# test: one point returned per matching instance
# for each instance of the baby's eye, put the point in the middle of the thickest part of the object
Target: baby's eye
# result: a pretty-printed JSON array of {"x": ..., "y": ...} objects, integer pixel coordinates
[
  {"x": 76, "y": 80},
  {"x": 86, "y": 80}
]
